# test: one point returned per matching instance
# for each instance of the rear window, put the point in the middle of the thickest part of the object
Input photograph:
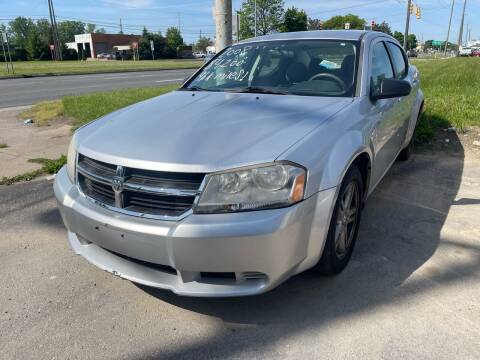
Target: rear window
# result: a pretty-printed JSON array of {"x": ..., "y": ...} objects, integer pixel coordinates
[{"x": 398, "y": 60}]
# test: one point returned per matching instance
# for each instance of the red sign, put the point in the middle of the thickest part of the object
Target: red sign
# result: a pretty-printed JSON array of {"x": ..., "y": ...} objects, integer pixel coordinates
[
  {"x": 135, "y": 45},
  {"x": 52, "y": 47}
]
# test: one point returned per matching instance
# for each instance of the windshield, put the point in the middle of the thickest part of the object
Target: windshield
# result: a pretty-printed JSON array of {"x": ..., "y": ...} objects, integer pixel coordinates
[{"x": 299, "y": 67}]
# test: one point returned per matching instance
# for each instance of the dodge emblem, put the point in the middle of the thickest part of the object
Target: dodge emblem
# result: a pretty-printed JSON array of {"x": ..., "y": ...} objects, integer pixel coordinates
[{"x": 117, "y": 184}]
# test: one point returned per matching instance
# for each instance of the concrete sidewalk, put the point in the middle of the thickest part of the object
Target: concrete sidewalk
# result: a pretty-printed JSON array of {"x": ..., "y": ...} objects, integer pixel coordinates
[{"x": 28, "y": 142}]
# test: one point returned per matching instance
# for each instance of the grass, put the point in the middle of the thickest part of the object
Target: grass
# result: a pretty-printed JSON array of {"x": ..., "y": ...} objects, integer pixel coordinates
[
  {"x": 3, "y": 146},
  {"x": 85, "y": 108},
  {"x": 452, "y": 95},
  {"x": 32, "y": 68},
  {"x": 43, "y": 112},
  {"x": 48, "y": 167}
]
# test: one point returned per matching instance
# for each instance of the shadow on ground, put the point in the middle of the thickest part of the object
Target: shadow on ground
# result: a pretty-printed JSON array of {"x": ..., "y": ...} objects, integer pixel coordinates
[{"x": 400, "y": 231}]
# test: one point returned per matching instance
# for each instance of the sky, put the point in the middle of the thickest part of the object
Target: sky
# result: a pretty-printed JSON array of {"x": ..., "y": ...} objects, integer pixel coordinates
[{"x": 194, "y": 16}]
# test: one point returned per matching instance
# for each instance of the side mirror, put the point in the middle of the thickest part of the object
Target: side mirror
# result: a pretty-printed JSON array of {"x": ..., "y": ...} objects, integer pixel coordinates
[{"x": 392, "y": 88}]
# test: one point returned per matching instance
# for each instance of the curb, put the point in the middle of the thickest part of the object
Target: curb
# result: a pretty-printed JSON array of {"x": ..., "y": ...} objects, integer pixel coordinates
[{"x": 21, "y": 76}]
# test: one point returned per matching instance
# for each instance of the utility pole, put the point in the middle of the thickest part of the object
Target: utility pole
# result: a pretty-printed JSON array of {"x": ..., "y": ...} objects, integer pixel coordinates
[
  {"x": 121, "y": 26},
  {"x": 407, "y": 25},
  {"x": 237, "y": 18},
  {"x": 53, "y": 31},
  {"x": 255, "y": 18},
  {"x": 56, "y": 32},
  {"x": 223, "y": 22},
  {"x": 460, "y": 35},
  {"x": 9, "y": 55},
  {"x": 56, "y": 40},
  {"x": 4, "y": 54},
  {"x": 449, "y": 25}
]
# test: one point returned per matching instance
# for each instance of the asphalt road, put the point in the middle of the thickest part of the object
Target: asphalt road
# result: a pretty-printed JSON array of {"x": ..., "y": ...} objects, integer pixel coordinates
[
  {"x": 27, "y": 91},
  {"x": 410, "y": 292}
]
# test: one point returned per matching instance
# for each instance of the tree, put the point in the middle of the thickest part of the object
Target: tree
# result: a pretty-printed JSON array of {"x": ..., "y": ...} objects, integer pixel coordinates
[
  {"x": 383, "y": 27},
  {"x": 144, "y": 47},
  {"x": 44, "y": 31},
  {"x": 20, "y": 29},
  {"x": 338, "y": 22},
  {"x": 269, "y": 17},
  {"x": 399, "y": 36},
  {"x": 412, "y": 41},
  {"x": 202, "y": 43},
  {"x": 174, "y": 41},
  {"x": 314, "y": 24},
  {"x": 294, "y": 20},
  {"x": 36, "y": 47},
  {"x": 90, "y": 28},
  {"x": 68, "y": 29}
]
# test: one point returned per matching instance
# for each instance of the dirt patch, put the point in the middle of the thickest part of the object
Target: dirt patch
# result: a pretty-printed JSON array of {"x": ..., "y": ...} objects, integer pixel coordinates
[{"x": 28, "y": 141}]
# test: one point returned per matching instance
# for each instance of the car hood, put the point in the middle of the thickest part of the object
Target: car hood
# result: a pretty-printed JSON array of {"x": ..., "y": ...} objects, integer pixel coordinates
[{"x": 204, "y": 131}]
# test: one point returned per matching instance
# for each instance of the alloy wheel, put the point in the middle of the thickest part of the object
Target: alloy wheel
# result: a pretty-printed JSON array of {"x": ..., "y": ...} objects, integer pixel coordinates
[{"x": 347, "y": 219}]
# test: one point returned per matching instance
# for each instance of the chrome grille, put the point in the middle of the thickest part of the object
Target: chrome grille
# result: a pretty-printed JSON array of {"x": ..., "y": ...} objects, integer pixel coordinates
[{"x": 138, "y": 192}]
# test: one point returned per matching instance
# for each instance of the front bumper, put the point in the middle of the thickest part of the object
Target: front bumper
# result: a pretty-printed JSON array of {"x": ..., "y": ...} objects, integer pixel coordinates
[{"x": 201, "y": 255}]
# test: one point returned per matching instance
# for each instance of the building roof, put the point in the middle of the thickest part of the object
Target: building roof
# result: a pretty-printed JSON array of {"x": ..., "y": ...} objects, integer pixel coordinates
[{"x": 316, "y": 34}]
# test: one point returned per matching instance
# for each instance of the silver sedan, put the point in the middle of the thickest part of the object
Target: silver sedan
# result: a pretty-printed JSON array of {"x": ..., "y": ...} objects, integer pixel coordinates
[{"x": 255, "y": 170}]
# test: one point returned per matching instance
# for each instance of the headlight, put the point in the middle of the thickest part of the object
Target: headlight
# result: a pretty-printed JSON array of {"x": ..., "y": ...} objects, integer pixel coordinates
[
  {"x": 72, "y": 159},
  {"x": 263, "y": 187}
]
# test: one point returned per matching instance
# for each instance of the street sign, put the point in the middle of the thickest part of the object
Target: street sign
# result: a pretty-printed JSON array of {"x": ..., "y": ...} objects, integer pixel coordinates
[
  {"x": 52, "y": 47},
  {"x": 152, "y": 46},
  {"x": 438, "y": 43},
  {"x": 347, "y": 26}
]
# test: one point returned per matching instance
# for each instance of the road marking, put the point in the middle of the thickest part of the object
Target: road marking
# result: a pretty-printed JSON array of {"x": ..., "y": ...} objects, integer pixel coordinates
[
  {"x": 161, "y": 81},
  {"x": 127, "y": 76}
]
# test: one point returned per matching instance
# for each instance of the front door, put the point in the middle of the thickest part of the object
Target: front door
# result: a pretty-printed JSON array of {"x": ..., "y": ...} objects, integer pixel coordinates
[{"x": 387, "y": 114}]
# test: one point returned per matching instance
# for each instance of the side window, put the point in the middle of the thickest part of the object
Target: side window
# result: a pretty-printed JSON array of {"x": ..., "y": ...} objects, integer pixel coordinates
[
  {"x": 398, "y": 60},
  {"x": 381, "y": 66}
]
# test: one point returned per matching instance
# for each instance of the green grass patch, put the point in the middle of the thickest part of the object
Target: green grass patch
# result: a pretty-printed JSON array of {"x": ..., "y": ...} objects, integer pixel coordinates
[
  {"x": 43, "y": 112},
  {"x": 32, "y": 68},
  {"x": 3, "y": 146},
  {"x": 85, "y": 108},
  {"x": 452, "y": 95},
  {"x": 48, "y": 167}
]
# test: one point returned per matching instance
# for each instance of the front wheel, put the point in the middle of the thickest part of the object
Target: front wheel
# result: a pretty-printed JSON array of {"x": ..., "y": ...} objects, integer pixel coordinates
[{"x": 344, "y": 224}]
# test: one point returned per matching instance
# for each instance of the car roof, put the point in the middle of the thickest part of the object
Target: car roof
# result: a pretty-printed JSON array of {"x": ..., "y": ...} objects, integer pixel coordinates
[{"x": 315, "y": 34}]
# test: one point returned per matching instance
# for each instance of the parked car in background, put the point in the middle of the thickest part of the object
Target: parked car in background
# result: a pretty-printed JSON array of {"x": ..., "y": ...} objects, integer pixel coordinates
[
  {"x": 199, "y": 55},
  {"x": 208, "y": 57},
  {"x": 476, "y": 52},
  {"x": 106, "y": 56},
  {"x": 412, "y": 53},
  {"x": 465, "y": 51},
  {"x": 257, "y": 169}
]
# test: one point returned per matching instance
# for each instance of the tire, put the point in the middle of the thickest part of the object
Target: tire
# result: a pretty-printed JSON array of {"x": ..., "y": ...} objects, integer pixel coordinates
[
  {"x": 335, "y": 257},
  {"x": 406, "y": 153}
]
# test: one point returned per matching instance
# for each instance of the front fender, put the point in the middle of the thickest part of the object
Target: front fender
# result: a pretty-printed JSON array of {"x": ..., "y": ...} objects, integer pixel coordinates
[
  {"x": 341, "y": 157},
  {"x": 328, "y": 164}
]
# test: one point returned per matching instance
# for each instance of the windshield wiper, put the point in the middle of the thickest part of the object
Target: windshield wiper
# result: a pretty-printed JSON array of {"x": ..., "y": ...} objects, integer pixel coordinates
[
  {"x": 194, "y": 88},
  {"x": 257, "y": 90}
]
